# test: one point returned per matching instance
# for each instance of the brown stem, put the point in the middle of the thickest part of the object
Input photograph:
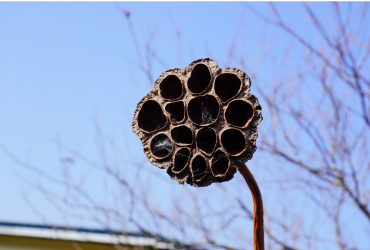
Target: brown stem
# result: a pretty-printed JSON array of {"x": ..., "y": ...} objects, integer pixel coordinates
[{"x": 258, "y": 207}]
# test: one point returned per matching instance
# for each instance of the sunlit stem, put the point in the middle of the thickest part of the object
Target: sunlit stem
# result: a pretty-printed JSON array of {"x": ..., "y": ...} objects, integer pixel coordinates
[{"x": 258, "y": 208}]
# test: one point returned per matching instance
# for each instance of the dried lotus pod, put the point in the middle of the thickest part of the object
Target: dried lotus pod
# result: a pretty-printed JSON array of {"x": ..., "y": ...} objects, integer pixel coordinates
[
  {"x": 200, "y": 123},
  {"x": 205, "y": 110}
]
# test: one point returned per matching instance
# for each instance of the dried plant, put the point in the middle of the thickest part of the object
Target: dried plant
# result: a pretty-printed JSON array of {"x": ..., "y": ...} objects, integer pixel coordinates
[
  {"x": 200, "y": 123},
  {"x": 314, "y": 171}
]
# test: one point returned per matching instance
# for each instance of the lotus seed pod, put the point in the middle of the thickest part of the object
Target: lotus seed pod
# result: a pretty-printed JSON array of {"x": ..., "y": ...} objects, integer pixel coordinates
[{"x": 199, "y": 122}]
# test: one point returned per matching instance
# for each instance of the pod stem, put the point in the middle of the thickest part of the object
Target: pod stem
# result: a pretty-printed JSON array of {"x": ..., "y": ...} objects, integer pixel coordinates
[{"x": 258, "y": 207}]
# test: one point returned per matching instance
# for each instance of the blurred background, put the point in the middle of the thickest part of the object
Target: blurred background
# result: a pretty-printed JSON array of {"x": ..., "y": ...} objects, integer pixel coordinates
[{"x": 71, "y": 74}]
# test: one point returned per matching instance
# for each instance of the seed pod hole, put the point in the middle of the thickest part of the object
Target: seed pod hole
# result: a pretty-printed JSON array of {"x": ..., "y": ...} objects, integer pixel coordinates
[
  {"x": 228, "y": 176},
  {"x": 151, "y": 117},
  {"x": 233, "y": 141},
  {"x": 181, "y": 160},
  {"x": 161, "y": 146},
  {"x": 176, "y": 111},
  {"x": 182, "y": 135},
  {"x": 171, "y": 88},
  {"x": 200, "y": 79},
  {"x": 227, "y": 86},
  {"x": 206, "y": 140},
  {"x": 198, "y": 167},
  {"x": 203, "y": 110},
  {"x": 182, "y": 176},
  {"x": 239, "y": 113},
  {"x": 220, "y": 164}
]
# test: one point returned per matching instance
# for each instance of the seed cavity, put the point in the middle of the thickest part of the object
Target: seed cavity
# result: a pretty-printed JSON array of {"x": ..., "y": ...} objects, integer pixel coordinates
[
  {"x": 233, "y": 141},
  {"x": 151, "y": 117},
  {"x": 161, "y": 146},
  {"x": 182, "y": 135},
  {"x": 198, "y": 167},
  {"x": 200, "y": 79},
  {"x": 176, "y": 110},
  {"x": 220, "y": 164},
  {"x": 239, "y": 113},
  {"x": 227, "y": 86},
  {"x": 181, "y": 159},
  {"x": 206, "y": 140},
  {"x": 203, "y": 110},
  {"x": 171, "y": 88}
]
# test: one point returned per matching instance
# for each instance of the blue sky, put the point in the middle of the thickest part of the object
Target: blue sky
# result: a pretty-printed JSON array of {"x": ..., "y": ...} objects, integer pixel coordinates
[{"x": 65, "y": 66}]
